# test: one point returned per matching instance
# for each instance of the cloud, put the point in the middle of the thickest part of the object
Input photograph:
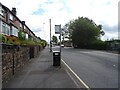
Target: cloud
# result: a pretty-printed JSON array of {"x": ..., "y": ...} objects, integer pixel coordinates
[
  {"x": 110, "y": 36},
  {"x": 99, "y": 11},
  {"x": 110, "y": 29},
  {"x": 37, "y": 12},
  {"x": 37, "y": 30}
]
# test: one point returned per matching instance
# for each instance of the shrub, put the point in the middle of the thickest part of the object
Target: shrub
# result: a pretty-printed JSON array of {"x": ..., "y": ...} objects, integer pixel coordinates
[
  {"x": 21, "y": 35},
  {"x": 20, "y": 41},
  {"x": 27, "y": 42},
  {"x": 100, "y": 45},
  {"x": 3, "y": 38},
  {"x": 12, "y": 40}
]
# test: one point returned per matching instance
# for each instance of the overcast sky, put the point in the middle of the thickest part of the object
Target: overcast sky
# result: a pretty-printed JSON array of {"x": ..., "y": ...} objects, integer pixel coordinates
[{"x": 36, "y": 14}]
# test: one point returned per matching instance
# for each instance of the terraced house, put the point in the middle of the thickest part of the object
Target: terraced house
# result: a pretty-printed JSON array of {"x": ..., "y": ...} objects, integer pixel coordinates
[{"x": 10, "y": 24}]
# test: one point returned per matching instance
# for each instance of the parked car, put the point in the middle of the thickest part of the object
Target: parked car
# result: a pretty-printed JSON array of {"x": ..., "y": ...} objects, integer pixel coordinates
[{"x": 62, "y": 45}]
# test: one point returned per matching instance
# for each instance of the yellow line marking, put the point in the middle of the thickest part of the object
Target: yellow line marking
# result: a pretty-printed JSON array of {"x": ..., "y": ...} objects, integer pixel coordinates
[{"x": 86, "y": 86}]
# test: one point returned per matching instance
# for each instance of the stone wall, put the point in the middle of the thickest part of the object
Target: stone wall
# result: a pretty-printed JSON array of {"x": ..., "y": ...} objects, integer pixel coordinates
[
  {"x": 15, "y": 57},
  {"x": 7, "y": 66},
  {"x": 34, "y": 50},
  {"x": 20, "y": 58}
]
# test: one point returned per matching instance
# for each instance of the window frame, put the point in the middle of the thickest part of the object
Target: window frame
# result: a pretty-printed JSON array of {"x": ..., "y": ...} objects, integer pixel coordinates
[
  {"x": 1, "y": 11},
  {"x": 11, "y": 17},
  {"x": 20, "y": 25},
  {"x": 26, "y": 36},
  {"x": 5, "y": 29},
  {"x": 14, "y": 31},
  {"x": 0, "y": 26}
]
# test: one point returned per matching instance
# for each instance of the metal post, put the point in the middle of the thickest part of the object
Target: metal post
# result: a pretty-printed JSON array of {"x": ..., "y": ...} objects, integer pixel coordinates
[
  {"x": 50, "y": 38},
  {"x": 60, "y": 41},
  {"x": 44, "y": 30}
]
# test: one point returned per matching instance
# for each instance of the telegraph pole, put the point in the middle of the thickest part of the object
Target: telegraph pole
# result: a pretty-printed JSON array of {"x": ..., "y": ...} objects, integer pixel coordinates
[{"x": 50, "y": 38}]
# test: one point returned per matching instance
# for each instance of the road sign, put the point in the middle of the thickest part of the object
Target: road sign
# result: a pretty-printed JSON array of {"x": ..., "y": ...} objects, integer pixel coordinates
[{"x": 57, "y": 29}]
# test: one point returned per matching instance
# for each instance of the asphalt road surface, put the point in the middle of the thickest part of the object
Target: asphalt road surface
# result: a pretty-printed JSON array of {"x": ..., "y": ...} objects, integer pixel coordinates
[{"x": 96, "y": 68}]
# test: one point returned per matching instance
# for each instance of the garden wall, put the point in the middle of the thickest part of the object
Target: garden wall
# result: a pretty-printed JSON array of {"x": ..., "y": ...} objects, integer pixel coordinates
[{"x": 15, "y": 57}]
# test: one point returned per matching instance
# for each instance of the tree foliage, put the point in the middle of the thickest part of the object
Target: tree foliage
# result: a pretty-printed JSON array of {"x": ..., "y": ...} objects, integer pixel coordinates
[
  {"x": 43, "y": 43},
  {"x": 67, "y": 31},
  {"x": 54, "y": 39},
  {"x": 83, "y": 32}
]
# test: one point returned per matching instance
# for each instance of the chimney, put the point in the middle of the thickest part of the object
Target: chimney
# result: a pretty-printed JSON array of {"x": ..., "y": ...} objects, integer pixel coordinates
[
  {"x": 23, "y": 22},
  {"x": 14, "y": 11}
]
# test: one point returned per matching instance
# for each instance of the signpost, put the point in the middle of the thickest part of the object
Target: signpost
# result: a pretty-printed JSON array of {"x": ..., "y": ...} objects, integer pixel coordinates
[
  {"x": 58, "y": 31},
  {"x": 50, "y": 38}
]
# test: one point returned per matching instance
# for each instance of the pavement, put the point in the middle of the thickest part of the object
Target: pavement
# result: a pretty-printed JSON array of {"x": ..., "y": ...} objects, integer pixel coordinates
[{"x": 40, "y": 73}]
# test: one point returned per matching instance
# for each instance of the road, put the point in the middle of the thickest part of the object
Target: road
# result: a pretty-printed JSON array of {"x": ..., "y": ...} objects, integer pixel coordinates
[{"x": 96, "y": 68}]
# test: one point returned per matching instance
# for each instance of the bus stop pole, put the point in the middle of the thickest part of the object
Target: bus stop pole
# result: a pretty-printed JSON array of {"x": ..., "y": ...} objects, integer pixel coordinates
[
  {"x": 60, "y": 41},
  {"x": 50, "y": 37}
]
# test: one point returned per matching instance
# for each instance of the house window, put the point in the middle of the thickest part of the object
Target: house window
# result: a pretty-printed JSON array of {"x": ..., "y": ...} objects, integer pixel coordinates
[
  {"x": 11, "y": 17},
  {"x": 24, "y": 27},
  {"x": 5, "y": 29},
  {"x": 26, "y": 36},
  {"x": 20, "y": 25},
  {"x": 1, "y": 11},
  {"x": 14, "y": 31},
  {"x": 8, "y": 30},
  {"x": 0, "y": 27}
]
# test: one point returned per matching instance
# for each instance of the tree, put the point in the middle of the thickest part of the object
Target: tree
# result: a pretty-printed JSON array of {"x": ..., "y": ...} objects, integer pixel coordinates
[
  {"x": 54, "y": 39},
  {"x": 43, "y": 43},
  {"x": 83, "y": 32},
  {"x": 67, "y": 31}
]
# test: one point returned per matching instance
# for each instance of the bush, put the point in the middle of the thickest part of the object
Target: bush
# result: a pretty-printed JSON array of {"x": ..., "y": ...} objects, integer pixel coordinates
[
  {"x": 43, "y": 43},
  {"x": 27, "y": 42},
  {"x": 3, "y": 38},
  {"x": 12, "y": 40},
  {"x": 100, "y": 45},
  {"x": 30, "y": 42},
  {"x": 20, "y": 41},
  {"x": 21, "y": 35}
]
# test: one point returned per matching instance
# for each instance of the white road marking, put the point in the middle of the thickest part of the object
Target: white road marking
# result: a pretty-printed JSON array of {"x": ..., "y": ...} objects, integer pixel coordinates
[
  {"x": 86, "y": 86},
  {"x": 72, "y": 79}
]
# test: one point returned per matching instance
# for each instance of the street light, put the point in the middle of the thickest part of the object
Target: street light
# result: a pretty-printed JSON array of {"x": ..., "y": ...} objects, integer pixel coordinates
[
  {"x": 50, "y": 37},
  {"x": 43, "y": 31}
]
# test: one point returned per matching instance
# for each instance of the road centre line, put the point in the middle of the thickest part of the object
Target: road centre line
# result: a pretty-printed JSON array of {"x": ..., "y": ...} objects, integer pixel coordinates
[{"x": 86, "y": 86}]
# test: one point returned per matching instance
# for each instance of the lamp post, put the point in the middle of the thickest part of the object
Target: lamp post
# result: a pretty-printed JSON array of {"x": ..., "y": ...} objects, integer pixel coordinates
[
  {"x": 50, "y": 37},
  {"x": 43, "y": 30}
]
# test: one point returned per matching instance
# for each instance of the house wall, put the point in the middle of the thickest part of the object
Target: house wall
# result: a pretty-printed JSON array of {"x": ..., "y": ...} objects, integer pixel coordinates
[{"x": 10, "y": 18}]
